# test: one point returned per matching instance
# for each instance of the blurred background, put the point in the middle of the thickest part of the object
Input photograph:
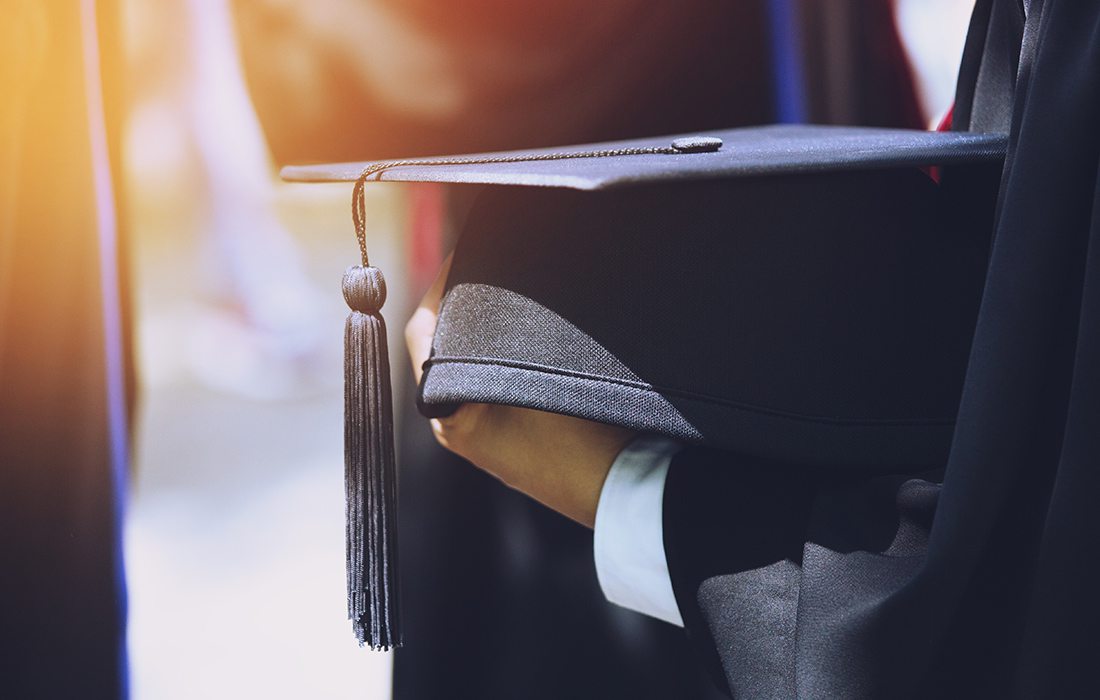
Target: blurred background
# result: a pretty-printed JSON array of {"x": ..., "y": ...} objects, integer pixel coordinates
[
  {"x": 170, "y": 348},
  {"x": 236, "y": 519}
]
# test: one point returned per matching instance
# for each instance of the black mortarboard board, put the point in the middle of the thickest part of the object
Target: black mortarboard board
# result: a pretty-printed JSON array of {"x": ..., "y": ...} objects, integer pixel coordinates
[
  {"x": 745, "y": 152},
  {"x": 805, "y": 292},
  {"x": 802, "y": 293}
]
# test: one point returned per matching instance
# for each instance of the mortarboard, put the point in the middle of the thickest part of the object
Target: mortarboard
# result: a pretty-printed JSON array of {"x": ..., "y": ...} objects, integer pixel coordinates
[{"x": 803, "y": 293}]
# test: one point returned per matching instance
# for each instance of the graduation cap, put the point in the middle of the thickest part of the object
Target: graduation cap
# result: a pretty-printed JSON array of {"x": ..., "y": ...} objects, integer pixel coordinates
[{"x": 804, "y": 293}]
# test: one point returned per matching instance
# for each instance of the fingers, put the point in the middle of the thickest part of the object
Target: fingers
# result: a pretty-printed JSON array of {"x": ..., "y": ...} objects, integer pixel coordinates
[{"x": 421, "y": 326}]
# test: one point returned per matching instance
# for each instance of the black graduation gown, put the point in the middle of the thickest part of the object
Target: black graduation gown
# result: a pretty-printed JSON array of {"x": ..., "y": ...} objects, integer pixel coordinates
[
  {"x": 62, "y": 450},
  {"x": 979, "y": 583}
]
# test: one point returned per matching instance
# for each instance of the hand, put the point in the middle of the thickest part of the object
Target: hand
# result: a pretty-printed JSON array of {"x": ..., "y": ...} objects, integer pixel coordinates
[{"x": 558, "y": 460}]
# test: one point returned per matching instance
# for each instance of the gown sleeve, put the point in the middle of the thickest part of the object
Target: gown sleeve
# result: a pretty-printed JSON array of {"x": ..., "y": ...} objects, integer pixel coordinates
[{"x": 734, "y": 528}]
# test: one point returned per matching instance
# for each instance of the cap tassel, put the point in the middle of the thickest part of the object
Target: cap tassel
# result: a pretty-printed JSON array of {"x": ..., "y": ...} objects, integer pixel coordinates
[
  {"x": 369, "y": 469},
  {"x": 369, "y": 465}
]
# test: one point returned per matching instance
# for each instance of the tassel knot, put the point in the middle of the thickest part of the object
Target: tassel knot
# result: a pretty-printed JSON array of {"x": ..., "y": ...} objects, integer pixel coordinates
[{"x": 364, "y": 289}]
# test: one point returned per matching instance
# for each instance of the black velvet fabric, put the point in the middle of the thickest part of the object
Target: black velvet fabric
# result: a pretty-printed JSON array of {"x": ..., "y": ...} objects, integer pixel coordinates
[{"x": 979, "y": 583}]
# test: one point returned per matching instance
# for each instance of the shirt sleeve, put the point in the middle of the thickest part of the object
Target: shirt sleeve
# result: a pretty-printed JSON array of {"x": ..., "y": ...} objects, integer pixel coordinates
[{"x": 629, "y": 531}]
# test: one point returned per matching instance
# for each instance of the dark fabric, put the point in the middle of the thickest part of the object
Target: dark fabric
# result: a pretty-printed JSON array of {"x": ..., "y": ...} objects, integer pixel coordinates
[
  {"x": 771, "y": 560},
  {"x": 819, "y": 318},
  {"x": 982, "y": 584},
  {"x": 990, "y": 63},
  {"x": 758, "y": 512},
  {"x": 62, "y": 600}
]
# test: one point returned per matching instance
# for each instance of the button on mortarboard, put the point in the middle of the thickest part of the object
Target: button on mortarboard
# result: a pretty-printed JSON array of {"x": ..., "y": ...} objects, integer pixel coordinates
[{"x": 697, "y": 144}]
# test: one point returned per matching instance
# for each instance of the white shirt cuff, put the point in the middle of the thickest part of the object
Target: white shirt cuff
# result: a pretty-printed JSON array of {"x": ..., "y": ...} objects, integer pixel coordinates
[{"x": 629, "y": 532}]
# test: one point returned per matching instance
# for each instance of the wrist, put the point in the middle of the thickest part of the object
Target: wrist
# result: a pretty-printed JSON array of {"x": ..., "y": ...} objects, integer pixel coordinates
[
  {"x": 558, "y": 460},
  {"x": 570, "y": 471}
]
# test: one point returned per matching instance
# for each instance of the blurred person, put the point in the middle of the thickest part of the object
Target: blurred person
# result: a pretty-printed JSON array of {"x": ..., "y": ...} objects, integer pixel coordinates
[
  {"x": 257, "y": 332},
  {"x": 64, "y": 353},
  {"x": 269, "y": 302}
]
